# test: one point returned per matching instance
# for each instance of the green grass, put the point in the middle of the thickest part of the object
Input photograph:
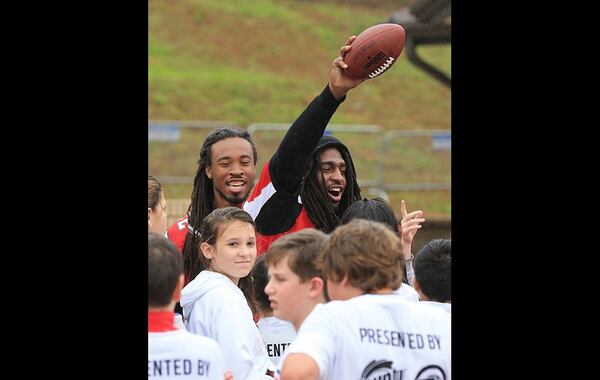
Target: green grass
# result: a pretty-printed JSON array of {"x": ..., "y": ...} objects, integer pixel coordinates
[
  {"x": 264, "y": 61},
  {"x": 251, "y": 93}
]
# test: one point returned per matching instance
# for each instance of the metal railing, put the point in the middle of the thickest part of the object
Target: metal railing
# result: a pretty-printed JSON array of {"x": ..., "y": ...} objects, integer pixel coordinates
[
  {"x": 441, "y": 140},
  {"x": 170, "y": 132},
  {"x": 383, "y": 155},
  {"x": 205, "y": 124}
]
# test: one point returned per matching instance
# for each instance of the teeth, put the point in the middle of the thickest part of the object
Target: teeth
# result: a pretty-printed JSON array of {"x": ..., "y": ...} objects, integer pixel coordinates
[{"x": 236, "y": 183}]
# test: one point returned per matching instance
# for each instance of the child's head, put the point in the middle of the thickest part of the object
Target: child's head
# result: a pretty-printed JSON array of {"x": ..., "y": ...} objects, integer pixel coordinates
[
  {"x": 165, "y": 272},
  {"x": 433, "y": 268},
  {"x": 260, "y": 278},
  {"x": 376, "y": 209},
  {"x": 157, "y": 206},
  {"x": 362, "y": 255},
  {"x": 296, "y": 284},
  {"x": 228, "y": 242}
]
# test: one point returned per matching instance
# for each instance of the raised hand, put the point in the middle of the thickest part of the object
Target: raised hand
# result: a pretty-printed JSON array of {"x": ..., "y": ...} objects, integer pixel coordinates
[
  {"x": 409, "y": 225},
  {"x": 339, "y": 83}
]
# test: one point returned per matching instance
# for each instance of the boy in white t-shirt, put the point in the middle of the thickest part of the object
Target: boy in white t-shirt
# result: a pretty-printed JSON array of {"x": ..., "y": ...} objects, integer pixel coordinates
[
  {"x": 276, "y": 333},
  {"x": 433, "y": 266},
  {"x": 378, "y": 210},
  {"x": 174, "y": 353},
  {"x": 295, "y": 282},
  {"x": 368, "y": 332}
]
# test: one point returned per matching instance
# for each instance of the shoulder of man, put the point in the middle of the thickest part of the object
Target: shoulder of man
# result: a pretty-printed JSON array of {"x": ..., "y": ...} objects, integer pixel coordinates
[{"x": 177, "y": 232}]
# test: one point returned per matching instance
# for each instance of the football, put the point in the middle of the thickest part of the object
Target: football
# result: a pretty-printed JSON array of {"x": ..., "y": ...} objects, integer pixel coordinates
[{"x": 374, "y": 51}]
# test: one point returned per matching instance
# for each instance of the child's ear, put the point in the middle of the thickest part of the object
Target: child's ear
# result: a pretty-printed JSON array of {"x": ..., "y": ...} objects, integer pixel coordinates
[
  {"x": 345, "y": 281},
  {"x": 316, "y": 287},
  {"x": 207, "y": 250},
  {"x": 416, "y": 284},
  {"x": 177, "y": 292}
]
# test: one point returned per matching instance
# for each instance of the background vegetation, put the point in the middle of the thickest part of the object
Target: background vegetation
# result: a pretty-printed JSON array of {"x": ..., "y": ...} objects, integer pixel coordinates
[{"x": 264, "y": 60}]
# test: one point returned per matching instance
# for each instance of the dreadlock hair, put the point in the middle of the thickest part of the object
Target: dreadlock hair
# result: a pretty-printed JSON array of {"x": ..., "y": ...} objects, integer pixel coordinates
[
  {"x": 315, "y": 197},
  {"x": 203, "y": 196},
  {"x": 211, "y": 229}
]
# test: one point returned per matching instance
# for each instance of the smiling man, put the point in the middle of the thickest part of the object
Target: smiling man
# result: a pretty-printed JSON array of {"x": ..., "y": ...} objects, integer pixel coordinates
[
  {"x": 286, "y": 200},
  {"x": 310, "y": 180},
  {"x": 225, "y": 177},
  {"x": 231, "y": 170}
]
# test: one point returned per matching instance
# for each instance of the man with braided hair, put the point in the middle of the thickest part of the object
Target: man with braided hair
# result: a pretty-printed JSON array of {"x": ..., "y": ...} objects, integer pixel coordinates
[
  {"x": 226, "y": 172},
  {"x": 225, "y": 177},
  {"x": 310, "y": 180}
]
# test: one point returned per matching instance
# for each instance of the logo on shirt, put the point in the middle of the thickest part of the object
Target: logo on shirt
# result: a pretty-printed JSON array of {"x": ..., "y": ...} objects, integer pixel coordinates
[
  {"x": 431, "y": 372},
  {"x": 382, "y": 369}
]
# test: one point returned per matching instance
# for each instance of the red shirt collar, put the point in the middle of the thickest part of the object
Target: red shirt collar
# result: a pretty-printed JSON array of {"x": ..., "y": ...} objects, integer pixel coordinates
[{"x": 161, "y": 321}]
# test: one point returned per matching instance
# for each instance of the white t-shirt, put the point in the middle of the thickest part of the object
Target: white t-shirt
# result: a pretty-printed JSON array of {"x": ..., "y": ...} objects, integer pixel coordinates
[
  {"x": 408, "y": 292},
  {"x": 179, "y": 354},
  {"x": 447, "y": 307},
  {"x": 376, "y": 336},
  {"x": 277, "y": 335}
]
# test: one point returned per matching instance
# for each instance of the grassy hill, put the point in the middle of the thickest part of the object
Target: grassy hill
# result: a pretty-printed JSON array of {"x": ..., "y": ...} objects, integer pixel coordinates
[{"x": 264, "y": 60}]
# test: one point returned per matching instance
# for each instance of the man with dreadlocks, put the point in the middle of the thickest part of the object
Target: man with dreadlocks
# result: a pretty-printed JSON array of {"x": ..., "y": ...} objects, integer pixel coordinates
[
  {"x": 226, "y": 171},
  {"x": 225, "y": 177},
  {"x": 310, "y": 180}
]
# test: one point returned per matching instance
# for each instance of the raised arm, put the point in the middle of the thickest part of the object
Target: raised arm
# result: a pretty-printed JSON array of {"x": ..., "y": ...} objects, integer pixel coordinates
[
  {"x": 288, "y": 163},
  {"x": 408, "y": 227}
]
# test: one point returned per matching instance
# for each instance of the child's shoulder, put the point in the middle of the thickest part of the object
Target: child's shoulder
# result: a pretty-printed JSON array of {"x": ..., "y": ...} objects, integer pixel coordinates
[
  {"x": 204, "y": 340},
  {"x": 225, "y": 292}
]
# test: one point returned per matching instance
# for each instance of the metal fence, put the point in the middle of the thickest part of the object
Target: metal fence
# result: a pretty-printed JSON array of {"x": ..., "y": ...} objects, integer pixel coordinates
[
  {"x": 387, "y": 162},
  {"x": 174, "y": 148},
  {"x": 416, "y": 160}
]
